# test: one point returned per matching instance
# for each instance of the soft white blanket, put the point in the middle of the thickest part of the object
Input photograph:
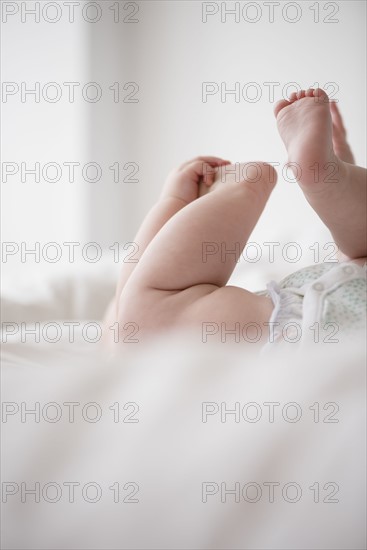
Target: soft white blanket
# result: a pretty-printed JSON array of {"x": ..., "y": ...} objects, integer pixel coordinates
[{"x": 144, "y": 452}]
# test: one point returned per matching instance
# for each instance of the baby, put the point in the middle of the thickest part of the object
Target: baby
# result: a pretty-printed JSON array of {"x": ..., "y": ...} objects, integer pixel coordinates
[{"x": 179, "y": 281}]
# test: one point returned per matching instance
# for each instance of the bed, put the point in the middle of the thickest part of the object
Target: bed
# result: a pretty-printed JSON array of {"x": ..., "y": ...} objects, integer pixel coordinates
[{"x": 176, "y": 444}]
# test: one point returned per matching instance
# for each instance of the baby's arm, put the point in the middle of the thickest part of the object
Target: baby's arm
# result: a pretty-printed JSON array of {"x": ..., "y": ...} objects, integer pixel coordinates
[
  {"x": 181, "y": 278},
  {"x": 181, "y": 188}
]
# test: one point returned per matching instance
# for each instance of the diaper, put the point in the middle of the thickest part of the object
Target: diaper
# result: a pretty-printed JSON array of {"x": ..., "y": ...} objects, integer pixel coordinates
[{"x": 323, "y": 303}]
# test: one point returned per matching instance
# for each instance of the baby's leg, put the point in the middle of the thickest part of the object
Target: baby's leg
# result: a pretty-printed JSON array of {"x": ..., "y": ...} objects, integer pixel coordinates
[
  {"x": 334, "y": 187},
  {"x": 181, "y": 278},
  {"x": 181, "y": 188}
]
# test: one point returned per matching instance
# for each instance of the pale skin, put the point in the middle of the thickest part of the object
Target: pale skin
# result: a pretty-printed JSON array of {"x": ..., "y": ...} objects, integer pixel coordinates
[{"x": 180, "y": 282}]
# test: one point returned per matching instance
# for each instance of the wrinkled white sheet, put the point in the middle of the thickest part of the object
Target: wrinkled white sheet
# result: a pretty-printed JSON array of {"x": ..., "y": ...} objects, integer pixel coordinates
[{"x": 159, "y": 452}]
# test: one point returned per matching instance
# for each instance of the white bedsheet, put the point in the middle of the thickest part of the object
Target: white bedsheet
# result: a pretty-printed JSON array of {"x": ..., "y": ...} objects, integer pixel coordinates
[{"x": 170, "y": 459}]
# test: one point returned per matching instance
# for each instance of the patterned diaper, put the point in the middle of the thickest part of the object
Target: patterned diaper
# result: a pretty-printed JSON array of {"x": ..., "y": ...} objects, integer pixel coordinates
[{"x": 321, "y": 303}]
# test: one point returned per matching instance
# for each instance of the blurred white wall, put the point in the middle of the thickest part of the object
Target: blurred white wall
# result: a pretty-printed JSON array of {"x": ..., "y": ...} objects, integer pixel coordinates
[
  {"x": 36, "y": 130},
  {"x": 167, "y": 51}
]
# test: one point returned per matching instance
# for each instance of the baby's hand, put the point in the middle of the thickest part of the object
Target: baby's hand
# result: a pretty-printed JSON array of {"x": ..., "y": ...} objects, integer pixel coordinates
[{"x": 185, "y": 182}]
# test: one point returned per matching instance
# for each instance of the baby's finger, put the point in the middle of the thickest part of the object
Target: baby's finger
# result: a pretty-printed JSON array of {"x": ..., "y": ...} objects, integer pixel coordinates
[
  {"x": 215, "y": 161},
  {"x": 200, "y": 169}
]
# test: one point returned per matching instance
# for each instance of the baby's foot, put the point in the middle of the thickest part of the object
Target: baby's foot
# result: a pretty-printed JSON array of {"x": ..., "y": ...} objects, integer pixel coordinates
[
  {"x": 340, "y": 143},
  {"x": 314, "y": 136},
  {"x": 305, "y": 125}
]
